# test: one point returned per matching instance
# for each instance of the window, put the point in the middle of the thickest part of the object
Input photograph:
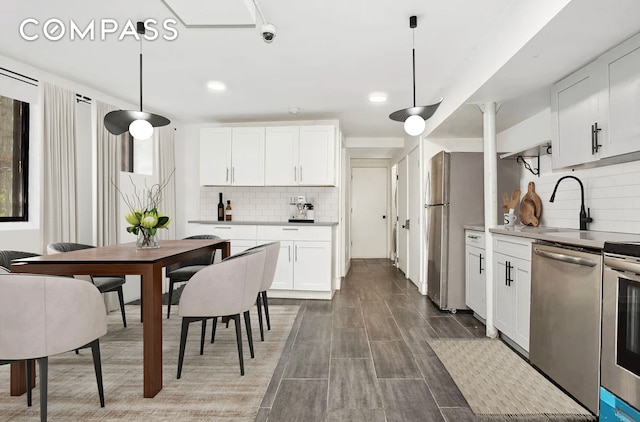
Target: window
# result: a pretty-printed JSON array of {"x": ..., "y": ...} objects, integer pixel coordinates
[{"x": 14, "y": 160}]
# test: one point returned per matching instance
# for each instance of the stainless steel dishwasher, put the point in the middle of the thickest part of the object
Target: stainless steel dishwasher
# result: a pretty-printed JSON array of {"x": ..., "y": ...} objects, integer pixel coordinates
[{"x": 565, "y": 318}]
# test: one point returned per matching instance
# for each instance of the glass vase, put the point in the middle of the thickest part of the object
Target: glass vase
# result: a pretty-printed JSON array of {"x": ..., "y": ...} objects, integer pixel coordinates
[{"x": 146, "y": 240}]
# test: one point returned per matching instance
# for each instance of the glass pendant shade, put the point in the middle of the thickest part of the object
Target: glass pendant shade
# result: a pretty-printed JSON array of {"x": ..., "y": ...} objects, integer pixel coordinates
[
  {"x": 414, "y": 125},
  {"x": 141, "y": 129}
]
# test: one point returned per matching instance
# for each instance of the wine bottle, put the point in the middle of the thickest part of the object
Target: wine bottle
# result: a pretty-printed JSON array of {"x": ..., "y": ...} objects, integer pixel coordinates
[
  {"x": 220, "y": 209},
  {"x": 227, "y": 213}
]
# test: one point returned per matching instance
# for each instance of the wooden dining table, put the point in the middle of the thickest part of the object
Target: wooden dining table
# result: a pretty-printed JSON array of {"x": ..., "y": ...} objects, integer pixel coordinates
[{"x": 117, "y": 260}]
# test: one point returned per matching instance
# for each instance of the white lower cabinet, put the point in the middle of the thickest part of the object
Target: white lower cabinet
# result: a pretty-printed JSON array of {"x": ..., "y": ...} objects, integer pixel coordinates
[
  {"x": 512, "y": 288},
  {"x": 312, "y": 265},
  {"x": 304, "y": 263},
  {"x": 475, "y": 276}
]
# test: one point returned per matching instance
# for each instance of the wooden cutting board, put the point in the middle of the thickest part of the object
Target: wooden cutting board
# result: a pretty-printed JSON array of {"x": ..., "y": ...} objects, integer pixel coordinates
[{"x": 530, "y": 207}]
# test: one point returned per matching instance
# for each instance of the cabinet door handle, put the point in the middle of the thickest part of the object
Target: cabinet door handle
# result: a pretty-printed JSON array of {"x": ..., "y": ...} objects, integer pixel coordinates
[
  {"x": 223, "y": 227},
  {"x": 233, "y": 174},
  {"x": 301, "y": 173},
  {"x": 290, "y": 229},
  {"x": 506, "y": 273},
  {"x": 295, "y": 173},
  {"x": 473, "y": 236},
  {"x": 227, "y": 175},
  {"x": 509, "y": 279},
  {"x": 595, "y": 146},
  {"x": 289, "y": 247},
  {"x": 296, "y": 253},
  {"x": 480, "y": 263}
]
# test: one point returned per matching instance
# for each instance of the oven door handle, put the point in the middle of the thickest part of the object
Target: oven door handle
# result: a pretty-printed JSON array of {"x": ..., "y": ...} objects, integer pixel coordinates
[
  {"x": 629, "y": 267},
  {"x": 565, "y": 258}
]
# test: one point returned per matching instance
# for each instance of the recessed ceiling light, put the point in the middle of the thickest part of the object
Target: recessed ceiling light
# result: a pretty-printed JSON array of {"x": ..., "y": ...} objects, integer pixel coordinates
[
  {"x": 294, "y": 110},
  {"x": 216, "y": 86},
  {"x": 378, "y": 97}
]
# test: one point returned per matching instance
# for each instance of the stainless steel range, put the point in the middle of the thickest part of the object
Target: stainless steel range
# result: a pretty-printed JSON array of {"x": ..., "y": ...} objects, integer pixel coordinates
[{"x": 620, "y": 363}]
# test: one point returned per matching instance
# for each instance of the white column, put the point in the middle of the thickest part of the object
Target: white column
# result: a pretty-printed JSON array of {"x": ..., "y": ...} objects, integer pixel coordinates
[{"x": 490, "y": 204}]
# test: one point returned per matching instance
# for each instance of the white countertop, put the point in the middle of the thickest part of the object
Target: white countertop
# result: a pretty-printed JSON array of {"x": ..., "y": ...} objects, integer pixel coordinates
[
  {"x": 585, "y": 238},
  {"x": 261, "y": 223}
]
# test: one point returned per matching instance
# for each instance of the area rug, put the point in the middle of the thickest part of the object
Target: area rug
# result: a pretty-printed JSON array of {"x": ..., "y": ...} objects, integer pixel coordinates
[
  {"x": 211, "y": 387},
  {"x": 496, "y": 381}
]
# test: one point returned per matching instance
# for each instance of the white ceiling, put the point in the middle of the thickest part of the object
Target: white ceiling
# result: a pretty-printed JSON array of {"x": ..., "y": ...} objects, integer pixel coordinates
[{"x": 326, "y": 58}]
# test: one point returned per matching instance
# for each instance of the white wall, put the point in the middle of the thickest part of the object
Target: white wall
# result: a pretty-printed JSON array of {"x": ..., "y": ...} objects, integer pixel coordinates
[{"x": 27, "y": 236}]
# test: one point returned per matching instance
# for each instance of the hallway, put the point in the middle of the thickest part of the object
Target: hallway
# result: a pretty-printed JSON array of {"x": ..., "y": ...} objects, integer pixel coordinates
[{"x": 363, "y": 355}]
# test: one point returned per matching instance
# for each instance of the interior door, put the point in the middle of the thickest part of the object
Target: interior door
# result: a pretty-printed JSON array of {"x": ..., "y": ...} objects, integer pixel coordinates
[
  {"x": 369, "y": 212},
  {"x": 403, "y": 257},
  {"x": 415, "y": 209}
]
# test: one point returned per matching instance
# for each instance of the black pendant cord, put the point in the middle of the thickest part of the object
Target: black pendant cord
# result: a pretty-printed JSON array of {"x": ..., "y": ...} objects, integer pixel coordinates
[
  {"x": 140, "y": 79},
  {"x": 140, "y": 29},
  {"x": 414, "y": 76}
]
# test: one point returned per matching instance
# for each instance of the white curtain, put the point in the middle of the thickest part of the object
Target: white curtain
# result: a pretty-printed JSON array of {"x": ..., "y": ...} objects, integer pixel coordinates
[
  {"x": 109, "y": 148},
  {"x": 59, "y": 139},
  {"x": 166, "y": 165}
]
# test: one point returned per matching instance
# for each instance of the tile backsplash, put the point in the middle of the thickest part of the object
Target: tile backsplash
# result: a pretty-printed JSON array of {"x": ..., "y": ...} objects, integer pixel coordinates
[
  {"x": 611, "y": 192},
  {"x": 257, "y": 203}
]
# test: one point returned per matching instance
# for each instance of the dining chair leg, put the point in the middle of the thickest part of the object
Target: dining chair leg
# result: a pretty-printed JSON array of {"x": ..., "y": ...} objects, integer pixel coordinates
[
  {"x": 258, "y": 305},
  {"x": 236, "y": 318},
  {"x": 213, "y": 331},
  {"x": 29, "y": 376},
  {"x": 183, "y": 343},
  {"x": 265, "y": 303},
  {"x": 43, "y": 366},
  {"x": 121, "y": 300},
  {"x": 170, "y": 297},
  {"x": 202, "y": 334},
  {"x": 97, "y": 366},
  {"x": 247, "y": 324}
]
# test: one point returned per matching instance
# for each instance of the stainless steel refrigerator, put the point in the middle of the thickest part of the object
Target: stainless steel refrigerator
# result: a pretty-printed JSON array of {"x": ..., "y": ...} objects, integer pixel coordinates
[{"x": 455, "y": 197}]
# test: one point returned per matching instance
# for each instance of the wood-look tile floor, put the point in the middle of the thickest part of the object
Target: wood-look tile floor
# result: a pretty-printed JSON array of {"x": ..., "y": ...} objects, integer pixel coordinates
[{"x": 364, "y": 357}]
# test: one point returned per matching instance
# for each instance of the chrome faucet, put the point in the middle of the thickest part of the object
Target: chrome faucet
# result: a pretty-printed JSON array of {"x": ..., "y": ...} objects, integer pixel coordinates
[{"x": 585, "y": 217}]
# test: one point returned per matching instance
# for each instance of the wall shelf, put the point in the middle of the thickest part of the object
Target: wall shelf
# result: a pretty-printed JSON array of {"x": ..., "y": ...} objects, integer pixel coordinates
[{"x": 533, "y": 153}]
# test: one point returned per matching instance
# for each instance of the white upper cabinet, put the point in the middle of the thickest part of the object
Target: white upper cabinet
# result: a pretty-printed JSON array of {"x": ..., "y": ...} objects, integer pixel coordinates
[
  {"x": 317, "y": 155},
  {"x": 247, "y": 156},
  {"x": 215, "y": 156},
  {"x": 232, "y": 156},
  {"x": 621, "y": 98},
  {"x": 281, "y": 156},
  {"x": 594, "y": 111},
  {"x": 300, "y": 155},
  {"x": 574, "y": 112}
]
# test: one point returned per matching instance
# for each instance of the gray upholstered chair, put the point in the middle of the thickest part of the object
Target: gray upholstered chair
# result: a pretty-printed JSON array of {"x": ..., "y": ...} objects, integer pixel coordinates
[
  {"x": 6, "y": 256},
  {"x": 270, "y": 263},
  {"x": 181, "y": 272},
  {"x": 44, "y": 316},
  {"x": 224, "y": 289},
  {"x": 105, "y": 284}
]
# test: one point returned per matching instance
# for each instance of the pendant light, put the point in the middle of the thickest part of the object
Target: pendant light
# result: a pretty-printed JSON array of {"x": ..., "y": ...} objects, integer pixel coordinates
[
  {"x": 140, "y": 124},
  {"x": 414, "y": 117}
]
